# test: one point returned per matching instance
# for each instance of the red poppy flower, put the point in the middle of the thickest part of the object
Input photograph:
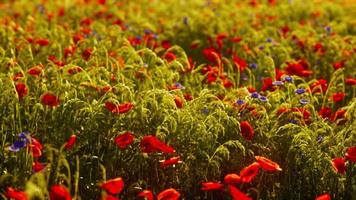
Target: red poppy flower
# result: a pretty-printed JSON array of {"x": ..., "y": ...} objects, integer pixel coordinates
[
  {"x": 178, "y": 101},
  {"x": 36, "y": 152},
  {"x": 299, "y": 68},
  {"x": 42, "y": 42},
  {"x": 211, "y": 77},
  {"x": 70, "y": 143},
  {"x": 320, "y": 86},
  {"x": 267, "y": 164},
  {"x": 248, "y": 173},
  {"x": 339, "y": 115},
  {"x": 188, "y": 96},
  {"x": 77, "y": 37},
  {"x": 17, "y": 76},
  {"x": 113, "y": 186},
  {"x": 166, "y": 44},
  {"x": 120, "y": 109},
  {"x": 325, "y": 112},
  {"x": 236, "y": 194},
  {"x": 86, "y": 22},
  {"x": 150, "y": 144},
  {"x": 246, "y": 130},
  {"x": 338, "y": 65},
  {"x": 305, "y": 113},
  {"x": 219, "y": 39},
  {"x": 282, "y": 110},
  {"x": 339, "y": 165},
  {"x": 227, "y": 83},
  {"x": 170, "y": 56},
  {"x": 168, "y": 194},
  {"x": 207, "y": 186},
  {"x": 170, "y": 161},
  {"x": 123, "y": 140},
  {"x": 21, "y": 90},
  {"x": 240, "y": 63},
  {"x": 35, "y": 71},
  {"x": 350, "y": 81},
  {"x": 323, "y": 197},
  {"x": 49, "y": 99},
  {"x": 147, "y": 194},
  {"x": 232, "y": 179},
  {"x": 37, "y": 166},
  {"x": 87, "y": 53},
  {"x": 109, "y": 197},
  {"x": 351, "y": 154},
  {"x": 267, "y": 84},
  {"x": 11, "y": 193},
  {"x": 59, "y": 192},
  {"x": 337, "y": 97},
  {"x": 211, "y": 54},
  {"x": 74, "y": 70}
]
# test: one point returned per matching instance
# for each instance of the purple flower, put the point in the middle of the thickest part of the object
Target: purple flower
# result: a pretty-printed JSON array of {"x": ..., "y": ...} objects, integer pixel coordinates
[
  {"x": 304, "y": 101},
  {"x": 328, "y": 29},
  {"x": 320, "y": 138},
  {"x": 263, "y": 98},
  {"x": 278, "y": 83},
  {"x": 240, "y": 102},
  {"x": 253, "y": 65},
  {"x": 292, "y": 121},
  {"x": 300, "y": 91},
  {"x": 179, "y": 86},
  {"x": 17, "y": 146},
  {"x": 205, "y": 111},
  {"x": 269, "y": 40},
  {"x": 288, "y": 79},
  {"x": 261, "y": 47},
  {"x": 147, "y": 31},
  {"x": 254, "y": 95}
]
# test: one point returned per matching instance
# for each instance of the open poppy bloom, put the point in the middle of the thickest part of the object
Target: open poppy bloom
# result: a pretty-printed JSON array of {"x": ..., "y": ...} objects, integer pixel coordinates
[
  {"x": 268, "y": 84},
  {"x": 35, "y": 71},
  {"x": 337, "y": 97},
  {"x": 170, "y": 161},
  {"x": 207, "y": 186},
  {"x": 49, "y": 99},
  {"x": 120, "y": 109},
  {"x": 42, "y": 42},
  {"x": 325, "y": 112},
  {"x": 21, "y": 90},
  {"x": 11, "y": 193},
  {"x": 123, "y": 140},
  {"x": 59, "y": 192},
  {"x": 267, "y": 164},
  {"x": 150, "y": 144},
  {"x": 351, "y": 154},
  {"x": 232, "y": 179},
  {"x": 168, "y": 194},
  {"x": 147, "y": 194},
  {"x": 70, "y": 143},
  {"x": 236, "y": 194},
  {"x": 350, "y": 81},
  {"x": 246, "y": 130},
  {"x": 113, "y": 186},
  {"x": 170, "y": 56},
  {"x": 339, "y": 165},
  {"x": 248, "y": 173},
  {"x": 323, "y": 197}
]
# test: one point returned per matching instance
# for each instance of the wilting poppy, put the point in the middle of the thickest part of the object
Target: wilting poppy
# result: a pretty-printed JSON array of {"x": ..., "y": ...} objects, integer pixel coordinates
[
  {"x": 170, "y": 161},
  {"x": 11, "y": 193},
  {"x": 323, "y": 197},
  {"x": 337, "y": 97},
  {"x": 59, "y": 192},
  {"x": 123, "y": 140},
  {"x": 49, "y": 99},
  {"x": 147, "y": 194},
  {"x": 246, "y": 130},
  {"x": 71, "y": 141},
  {"x": 339, "y": 165},
  {"x": 168, "y": 194},
  {"x": 232, "y": 179},
  {"x": 267, "y": 164},
  {"x": 207, "y": 186},
  {"x": 236, "y": 194},
  {"x": 248, "y": 173},
  {"x": 21, "y": 90},
  {"x": 150, "y": 144},
  {"x": 113, "y": 186},
  {"x": 351, "y": 154}
]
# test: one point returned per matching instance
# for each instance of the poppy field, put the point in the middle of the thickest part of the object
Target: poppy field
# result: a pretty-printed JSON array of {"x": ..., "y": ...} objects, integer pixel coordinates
[{"x": 177, "y": 99}]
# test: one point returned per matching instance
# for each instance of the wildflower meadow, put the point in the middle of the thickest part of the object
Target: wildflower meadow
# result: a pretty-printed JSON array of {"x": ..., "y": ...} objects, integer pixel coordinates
[{"x": 178, "y": 99}]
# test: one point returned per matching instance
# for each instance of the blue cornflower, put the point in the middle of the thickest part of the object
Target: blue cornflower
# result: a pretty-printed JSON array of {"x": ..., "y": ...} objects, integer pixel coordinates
[
  {"x": 292, "y": 121},
  {"x": 304, "y": 101},
  {"x": 300, "y": 91},
  {"x": 205, "y": 111},
  {"x": 240, "y": 102},
  {"x": 254, "y": 95},
  {"x": 253, "y": 65},
  {"x": 263, "y": 98},
  {"x": 288, "y": 79},
  {"x": 328, "y": 29},
  {"x": 179, "y": 86},
  {"x": 278, "y": 83},
  {"x": 24, "y": 140},
  {"x": 261, "y": 47},
  {"x": 269, "y": 40},
  {"x": 320, "y": 138}
]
